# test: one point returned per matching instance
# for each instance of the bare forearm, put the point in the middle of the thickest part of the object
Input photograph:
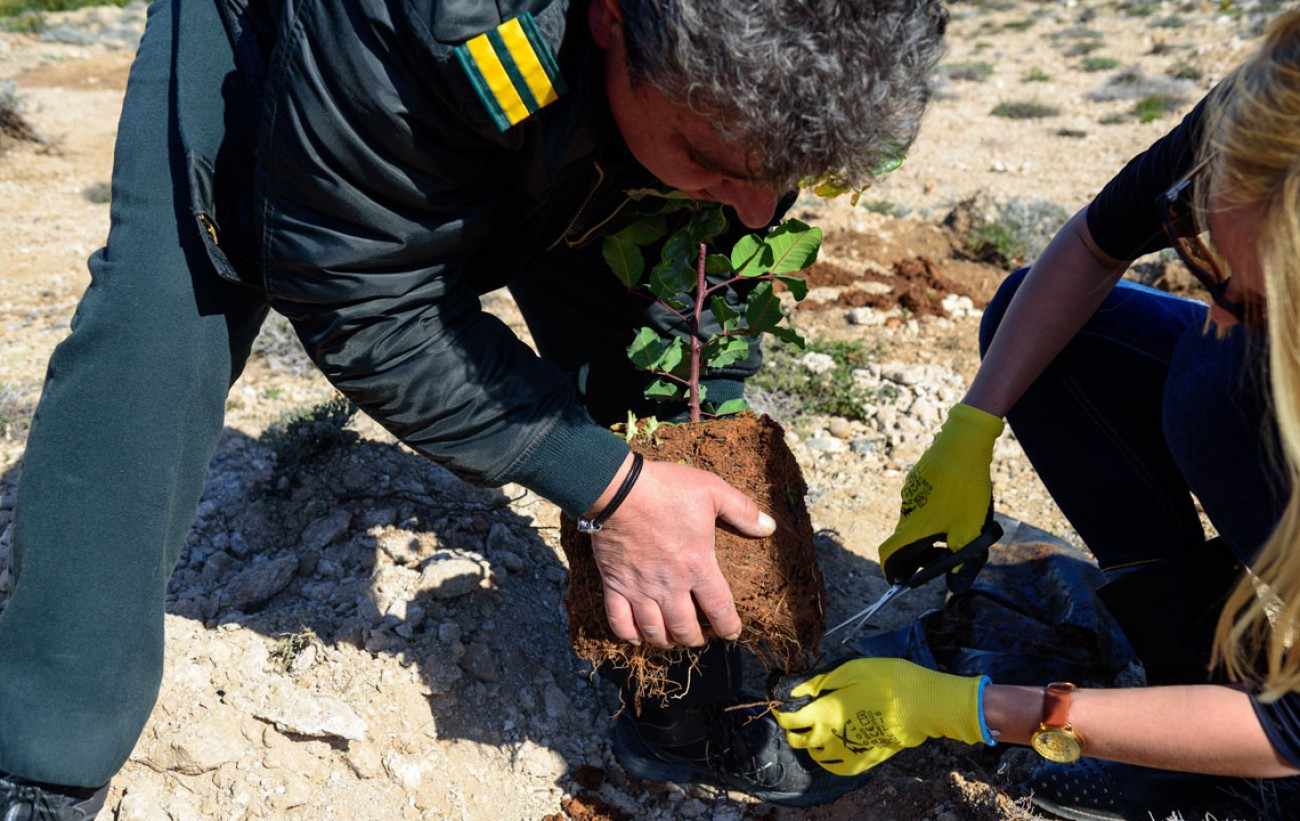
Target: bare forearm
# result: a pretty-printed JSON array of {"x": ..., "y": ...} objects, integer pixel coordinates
[
  {"x": 1063, "y": 289},
  {"x": 1203, "y": 729}
]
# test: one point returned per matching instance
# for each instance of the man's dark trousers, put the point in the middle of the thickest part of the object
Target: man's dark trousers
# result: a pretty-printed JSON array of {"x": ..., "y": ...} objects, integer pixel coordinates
[{"x": 132, "y": 408}]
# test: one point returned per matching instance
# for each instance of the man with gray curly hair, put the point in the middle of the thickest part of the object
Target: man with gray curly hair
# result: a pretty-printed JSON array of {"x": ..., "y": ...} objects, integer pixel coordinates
[{"x": 369, "y": 169}]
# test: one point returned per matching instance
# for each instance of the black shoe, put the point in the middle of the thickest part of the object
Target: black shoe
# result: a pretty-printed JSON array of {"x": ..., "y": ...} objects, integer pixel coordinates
[
  {"x": 26, "y": 801},
  {"x": 745, "y": 751},
  {"x": 1095, "y": 790}
]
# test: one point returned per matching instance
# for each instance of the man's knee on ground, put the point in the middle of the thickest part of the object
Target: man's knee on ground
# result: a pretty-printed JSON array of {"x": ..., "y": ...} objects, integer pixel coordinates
[{"x": 997, "y": 308}]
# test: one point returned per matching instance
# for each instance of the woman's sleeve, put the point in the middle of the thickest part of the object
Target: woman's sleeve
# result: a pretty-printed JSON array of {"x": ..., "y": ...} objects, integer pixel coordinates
[
  {"x": 1281, "y": 723},
  {"x": 1124, "y": 218}
]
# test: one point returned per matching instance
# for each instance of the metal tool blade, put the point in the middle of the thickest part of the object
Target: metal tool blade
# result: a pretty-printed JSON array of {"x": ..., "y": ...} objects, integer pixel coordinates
[{"x": 861, "y": 616}]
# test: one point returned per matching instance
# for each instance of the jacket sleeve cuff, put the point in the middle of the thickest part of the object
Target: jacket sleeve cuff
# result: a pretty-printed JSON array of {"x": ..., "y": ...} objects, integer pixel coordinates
[{"x": 572, "y": 463}]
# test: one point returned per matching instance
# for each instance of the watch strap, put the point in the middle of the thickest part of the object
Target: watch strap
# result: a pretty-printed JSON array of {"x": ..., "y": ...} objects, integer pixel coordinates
[{"x": 1056, "y": 704}]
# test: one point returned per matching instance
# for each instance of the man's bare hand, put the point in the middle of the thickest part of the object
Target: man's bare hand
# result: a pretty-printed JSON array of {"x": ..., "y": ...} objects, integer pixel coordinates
[{"x": 656, "y": 558}]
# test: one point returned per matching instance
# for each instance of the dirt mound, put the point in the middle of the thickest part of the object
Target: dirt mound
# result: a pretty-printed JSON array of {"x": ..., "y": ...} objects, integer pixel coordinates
[
  {"x": 776, "y": 582},
  {"x": 918, "y": 285}
]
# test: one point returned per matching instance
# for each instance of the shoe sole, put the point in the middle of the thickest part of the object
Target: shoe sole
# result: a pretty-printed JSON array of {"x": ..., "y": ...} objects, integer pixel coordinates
[
  {"x": 1071, "y": 814},
  {"x": 639, "y": 761}
]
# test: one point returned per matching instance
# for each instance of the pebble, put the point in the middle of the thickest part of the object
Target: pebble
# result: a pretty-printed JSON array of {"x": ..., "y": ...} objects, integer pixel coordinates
[
  {"x": 867, "y": 317},
  {"x": 825, "y": 444},
  {"x": 295, "y": 710},
  {"x": 327, "y": 529},
  {"x": 817, "y": 363},
  {"x": 557, "y": 703},
  {"x": 841, "y": 428},
  {"x": 450, "y": 576},
  {"x": 480, "y": 663},
  {"x": 253, "y": 586}
]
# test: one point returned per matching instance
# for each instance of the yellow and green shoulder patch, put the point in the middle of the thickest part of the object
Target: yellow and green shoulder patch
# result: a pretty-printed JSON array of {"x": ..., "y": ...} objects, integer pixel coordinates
[{"x": 512, "y": 69}]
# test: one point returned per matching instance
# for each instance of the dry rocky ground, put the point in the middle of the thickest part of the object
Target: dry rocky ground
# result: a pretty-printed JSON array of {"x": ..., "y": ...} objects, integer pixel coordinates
[{"x": 354, "y": 633}]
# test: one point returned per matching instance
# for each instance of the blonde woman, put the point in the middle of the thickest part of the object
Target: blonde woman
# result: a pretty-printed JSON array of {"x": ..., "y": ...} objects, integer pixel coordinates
[{"x": 1130, "y": 402}]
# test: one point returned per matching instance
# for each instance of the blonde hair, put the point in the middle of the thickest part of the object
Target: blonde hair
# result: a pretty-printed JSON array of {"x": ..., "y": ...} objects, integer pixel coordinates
[{"x": 1252, "y": 135}]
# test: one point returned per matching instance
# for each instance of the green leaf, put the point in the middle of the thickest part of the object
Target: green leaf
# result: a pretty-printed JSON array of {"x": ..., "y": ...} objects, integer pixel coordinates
[
  {"x": 724, "y": 313},
  {"x": 624, "y": 259},
  {"x": 725, "y": 350},
  {"x": 670, "y": 278},
  {"x": 751, "y": 257},
  {"x": 762, "y": 309},
  {"x": 894, "y": 156},
  {"x": 647, "y": 348},
  {"x": 797, "y": 285},
  {"x": 645, "y": 231},
  {"x": 630, "y": 433},
  {"x": 731, "y": 406},
  {"x": 672, "y": 355},
  {"x": 681, "y": 248},
  {"x": 794, "y": 246},
  {"x": 707, "y": 224},
  {"x": 663, "y": 389},
  {"x": 789, "y": 335},
  {"x": 715, "y": 264}
]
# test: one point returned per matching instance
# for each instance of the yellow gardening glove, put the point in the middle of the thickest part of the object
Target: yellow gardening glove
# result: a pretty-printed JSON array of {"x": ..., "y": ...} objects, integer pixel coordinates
[
  {"x": 947, "y": 495},
  {"x": 867, "y": 709}
]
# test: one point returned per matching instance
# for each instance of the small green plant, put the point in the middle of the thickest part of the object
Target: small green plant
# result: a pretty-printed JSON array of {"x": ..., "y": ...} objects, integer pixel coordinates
[
  {"x": 14, "y": 411},
  {"x": 301, "y": 437},
  {"x": 1081, "y": 49},
  {"x": 1173, "y": 21},
  {"x": 885, "y": 208},
  {"x": 1024, "y": 110},
  {"x": 1186, "y": 71},
  {"x": 13, "y": 8},
  {"x": 1113, "y": 119},
  {"x": 1020, "y": 25},
  {"x": 1155, "y": 106},
  {"x": 99, "y": 193},
  {"x": 1139, "y": 8},
  {"x": 1037, "y": 75},
  {"x": 968, "y": 72},
  {"x": 1100, "y": 64},
  {"x": 27, "y": 22},
  {"x": 834, "y": 392},
  {"x": 679, "y": 282},
  {"x": 288, "y": 646}
]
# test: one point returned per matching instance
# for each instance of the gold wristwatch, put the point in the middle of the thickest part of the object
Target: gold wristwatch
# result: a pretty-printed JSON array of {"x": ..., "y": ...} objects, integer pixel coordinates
[{"x": 1055, "y": 738}]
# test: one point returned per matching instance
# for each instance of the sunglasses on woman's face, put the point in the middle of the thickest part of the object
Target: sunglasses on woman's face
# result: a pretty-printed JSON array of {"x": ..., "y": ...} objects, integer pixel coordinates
[{"x": 1179, "y": 222}]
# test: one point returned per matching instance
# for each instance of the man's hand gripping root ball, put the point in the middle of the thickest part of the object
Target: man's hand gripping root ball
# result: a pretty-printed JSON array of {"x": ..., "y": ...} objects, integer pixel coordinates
[{"x": 656, "y": 558}]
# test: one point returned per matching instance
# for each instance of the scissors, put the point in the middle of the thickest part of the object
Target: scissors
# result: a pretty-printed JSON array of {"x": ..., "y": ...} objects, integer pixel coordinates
[{"x": 935, "y": 561}]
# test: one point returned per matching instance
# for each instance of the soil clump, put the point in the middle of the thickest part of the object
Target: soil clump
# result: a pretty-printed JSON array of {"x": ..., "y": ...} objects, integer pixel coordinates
[{"x": 777, "y": 585}]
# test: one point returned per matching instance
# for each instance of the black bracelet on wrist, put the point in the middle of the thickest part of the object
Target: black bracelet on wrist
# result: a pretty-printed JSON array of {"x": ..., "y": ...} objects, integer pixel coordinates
[{"x": 595, "y": 523}]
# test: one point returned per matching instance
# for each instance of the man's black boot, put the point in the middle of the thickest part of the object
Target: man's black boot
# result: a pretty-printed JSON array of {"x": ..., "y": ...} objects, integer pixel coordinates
[
  {"x": 696, "y": 739},
  {"x": 22, "y": 800},
  {"x": 743, "y": 750}
]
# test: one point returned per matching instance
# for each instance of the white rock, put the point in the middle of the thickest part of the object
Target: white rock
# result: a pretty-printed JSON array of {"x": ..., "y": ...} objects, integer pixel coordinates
[
  {"x": 539, "y": 761},
  {"x": 825, "y": 444},
  {"x": 817, "y": 363},
  {"x": 841, "y": 428},
  {"x": 448, "y": 576},
  {"x": 295, "y": 710},
  {"x": 865, "y": 316},
  {"x": 406, "y": 771},
  {"x": 197, "y": 747}
]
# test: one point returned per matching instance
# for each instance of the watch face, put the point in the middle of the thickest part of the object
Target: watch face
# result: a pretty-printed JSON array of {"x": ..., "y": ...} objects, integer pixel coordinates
[{"x": 1057, "y": 745}]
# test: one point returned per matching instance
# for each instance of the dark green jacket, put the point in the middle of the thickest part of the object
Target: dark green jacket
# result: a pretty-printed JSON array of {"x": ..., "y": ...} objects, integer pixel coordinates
[{"x": 396, "y": 180}]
